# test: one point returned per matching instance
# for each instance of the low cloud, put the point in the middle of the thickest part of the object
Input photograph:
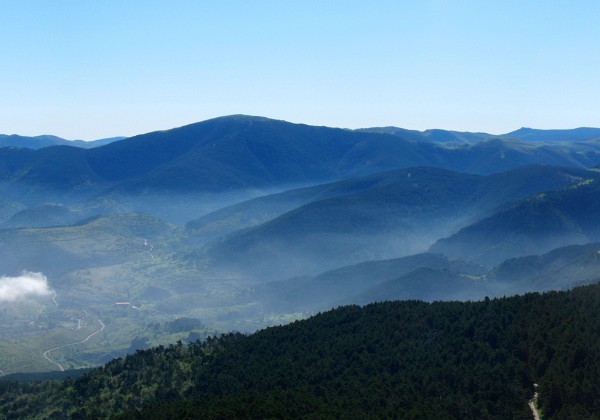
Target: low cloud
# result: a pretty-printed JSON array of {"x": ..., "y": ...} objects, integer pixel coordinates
[{"x": 24, "y": 286}]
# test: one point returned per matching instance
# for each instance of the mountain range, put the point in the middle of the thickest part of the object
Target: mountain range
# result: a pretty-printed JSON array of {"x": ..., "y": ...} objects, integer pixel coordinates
[
  {"x": 240, "y": 153},
  {"x": 244, "y": 222},
  {"x": 387, "y": 215}
]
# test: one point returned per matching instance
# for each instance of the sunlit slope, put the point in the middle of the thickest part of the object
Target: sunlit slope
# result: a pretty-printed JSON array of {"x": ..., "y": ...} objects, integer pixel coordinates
[{"x": 57, "y": 250}]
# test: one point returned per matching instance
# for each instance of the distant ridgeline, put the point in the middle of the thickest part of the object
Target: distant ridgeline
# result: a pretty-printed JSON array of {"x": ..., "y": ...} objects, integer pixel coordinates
[
  {"x": 237, "y": 157},
  {"x": 39, "y": 142},
  {"x": 393, "y": 359}
]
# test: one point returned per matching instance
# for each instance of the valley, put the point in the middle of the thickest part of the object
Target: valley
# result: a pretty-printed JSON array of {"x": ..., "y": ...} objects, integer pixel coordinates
[{"x": 228, "y": 225}]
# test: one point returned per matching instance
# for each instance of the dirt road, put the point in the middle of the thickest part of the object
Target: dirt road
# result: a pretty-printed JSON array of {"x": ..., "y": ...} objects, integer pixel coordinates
[
  {"x": 533, "y": 402},
  {"x": 47, "y": 352}
]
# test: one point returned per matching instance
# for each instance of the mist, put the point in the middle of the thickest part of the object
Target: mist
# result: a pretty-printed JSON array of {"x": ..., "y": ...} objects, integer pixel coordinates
[
  {"x": 244, "y": 252},
  {"x": 27, "y": 285}
]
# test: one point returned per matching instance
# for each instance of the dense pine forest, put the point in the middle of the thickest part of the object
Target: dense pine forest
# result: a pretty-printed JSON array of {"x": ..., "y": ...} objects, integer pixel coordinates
[{"x": 393, "y": 359}]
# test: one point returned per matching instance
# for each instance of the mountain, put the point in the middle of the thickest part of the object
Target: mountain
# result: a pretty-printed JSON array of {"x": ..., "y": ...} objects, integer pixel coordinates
[
  {"x": 255, "y": 211},
  {"x": 48, "y": 174},
  {"x": 262, "y": 209},
  {"x": 582, "y": 134},
  {"x": 559, "y": 269},
  {"x": 43, "y": 215},
  {"x": 432, "y": 135},
  {"x": 446, "y": 136},
  {"x": 36, "y": 142},
  {"x": 253, "y": 155},
  {"x": 346, "y": 285},
  {"x": 398, "y": 213},
  {"x": 39, "y": 142},
  {"x": 533, "y": 226},
  {"x": 428, "y": 284},
  {"x": 8, "y": 209},
  {"x": 432, "y": 277},
  {"x": 241, "y": 152},
  {"x": 258, "y": 210},
  {"x": 96, "y": 242},
  {"x": 183, "y": 173},
  {"x": 396, "y": 131},
  {"x": 398, "y": 359},
  {"x": 96, "y": 143},
  {"x": 572, "y": 135}
]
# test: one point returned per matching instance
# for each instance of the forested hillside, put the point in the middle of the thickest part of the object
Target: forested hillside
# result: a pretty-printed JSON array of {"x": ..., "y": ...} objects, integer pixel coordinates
[
  {"x": 542, "y": 222},
  {"x": 386, "y": 215},
  {"x": 394, "y": 359}
]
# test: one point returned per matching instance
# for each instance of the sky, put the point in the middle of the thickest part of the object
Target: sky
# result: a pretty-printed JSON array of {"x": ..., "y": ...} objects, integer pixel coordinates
[{"x": 89, "y": 69}]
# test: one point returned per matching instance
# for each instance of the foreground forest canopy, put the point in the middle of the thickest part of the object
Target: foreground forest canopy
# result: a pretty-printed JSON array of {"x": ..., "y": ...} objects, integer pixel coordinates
[{"x": 403, "y": 359}]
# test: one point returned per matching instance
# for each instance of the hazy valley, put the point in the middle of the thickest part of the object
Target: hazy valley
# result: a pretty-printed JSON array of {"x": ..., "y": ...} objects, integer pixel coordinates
[{"x": 239, "y": 223}]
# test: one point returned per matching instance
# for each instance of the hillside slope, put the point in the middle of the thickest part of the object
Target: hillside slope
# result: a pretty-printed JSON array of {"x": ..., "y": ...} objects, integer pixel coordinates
[
  {"x": 558, "y": 269},
  {"x": 398, "y": 213},
  {"x": 347, "y": 284},
  {"x": 394, "y": 359},
  {"x": 533, "y": 226},
  {"x": 56, "y": 250}
]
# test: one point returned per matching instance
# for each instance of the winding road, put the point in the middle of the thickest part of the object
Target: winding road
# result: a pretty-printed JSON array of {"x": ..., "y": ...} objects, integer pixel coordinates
[
  {"x": 47, "y": 352},
  {"x": 151, "y": 247}
]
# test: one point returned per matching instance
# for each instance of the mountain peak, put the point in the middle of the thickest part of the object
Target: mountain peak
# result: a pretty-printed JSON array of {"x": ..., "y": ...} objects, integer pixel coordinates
[{"x": 243, "y": 118}]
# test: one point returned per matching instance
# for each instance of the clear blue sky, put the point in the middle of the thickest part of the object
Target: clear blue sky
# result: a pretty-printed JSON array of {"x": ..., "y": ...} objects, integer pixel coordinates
[{"x": 90, "y": 69}]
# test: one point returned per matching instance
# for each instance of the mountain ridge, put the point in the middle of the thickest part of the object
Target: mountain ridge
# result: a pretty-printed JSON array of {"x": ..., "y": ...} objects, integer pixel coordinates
[
  {"x": 238, "y": 152},
  {"x": 395, "y": 214},
  {"x": 47, "y": 140},
  {"x": 574, "y": 134},
  {"x": 567, "y": 216}
]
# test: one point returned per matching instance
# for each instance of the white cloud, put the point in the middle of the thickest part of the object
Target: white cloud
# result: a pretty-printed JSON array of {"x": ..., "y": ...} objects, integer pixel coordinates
[{"x": 26, "y": 285}]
